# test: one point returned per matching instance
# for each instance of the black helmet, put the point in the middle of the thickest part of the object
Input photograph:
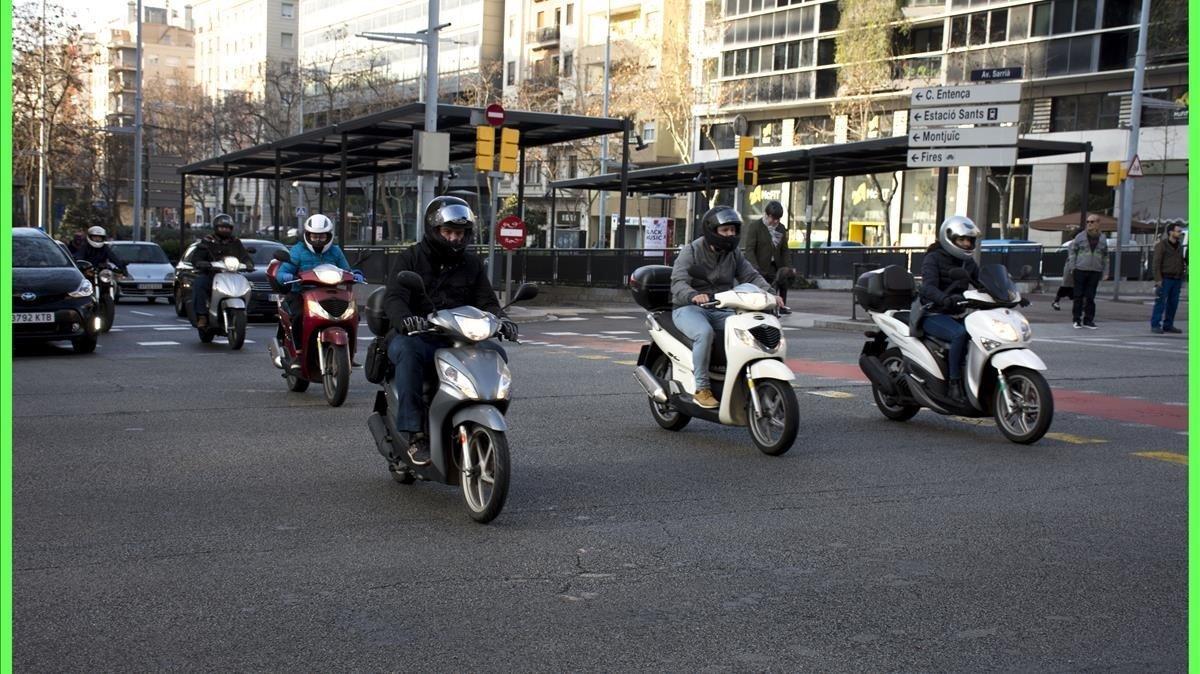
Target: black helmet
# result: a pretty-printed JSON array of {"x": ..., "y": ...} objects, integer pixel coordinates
[
  {"x": 222, "y": 222},
  {"x": 774, "y": 209},
  {"x": 449, "y": 212},
  {"x": 718, "y": 217}
]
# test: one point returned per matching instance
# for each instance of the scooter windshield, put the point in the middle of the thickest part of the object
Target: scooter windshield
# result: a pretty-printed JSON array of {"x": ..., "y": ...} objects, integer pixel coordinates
[{"x": 995, "y": 280}]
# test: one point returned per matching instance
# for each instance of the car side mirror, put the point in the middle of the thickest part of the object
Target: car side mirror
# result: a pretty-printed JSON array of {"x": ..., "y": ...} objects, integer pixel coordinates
[
  {"x": 282, "y": 256},
  {"x": 83, "y": 265}
]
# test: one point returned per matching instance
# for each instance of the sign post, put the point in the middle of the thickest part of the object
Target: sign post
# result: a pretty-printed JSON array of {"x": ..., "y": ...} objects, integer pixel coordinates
[
  {"x": 510, "y": 233},
  {"x": 960, "y": 125}
]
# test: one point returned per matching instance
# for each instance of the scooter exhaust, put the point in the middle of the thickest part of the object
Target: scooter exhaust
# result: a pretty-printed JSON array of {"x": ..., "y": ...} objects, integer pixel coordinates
[
  {"x": 877, "y": 373},
  {"x": 276, "y": 351},
  {"x": 651, "y": 384}
]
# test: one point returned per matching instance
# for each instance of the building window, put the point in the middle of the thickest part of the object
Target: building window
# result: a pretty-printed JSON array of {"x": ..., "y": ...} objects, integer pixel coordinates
[
  {"x": 572, "y": 166},
  {"x": 649, "y": 133},
  {"x": 512, "y": 22},
  {"x": 287, "y": 10},
  {"x": 510, "y": 73},
  {"x": 287, "y": 41},
  {"x": 568, "y": 64},
  {"x": 716, "y": 137},
  {"x": 570, "y": 15},
  {"x": 1085, "y": 112}
]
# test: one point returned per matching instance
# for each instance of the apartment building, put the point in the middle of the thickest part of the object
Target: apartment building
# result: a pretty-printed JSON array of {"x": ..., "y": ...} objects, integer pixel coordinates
[
  {"x": 239, "y": 42},
  {"x": 774, "y": 62}
]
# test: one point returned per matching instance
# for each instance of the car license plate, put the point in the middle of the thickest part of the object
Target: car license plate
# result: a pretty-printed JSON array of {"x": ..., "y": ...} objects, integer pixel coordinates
[
  {"x": 274, "y": 297},
  {"x": 149, "y": 286},
  {"x": 40, "y": 317}
]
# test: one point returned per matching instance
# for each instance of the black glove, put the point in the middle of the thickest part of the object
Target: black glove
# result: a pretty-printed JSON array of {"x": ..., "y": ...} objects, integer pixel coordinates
[
  {"x": 508, "y": 329},
  {"x": 414, "y": 324},
  {"x": 1024, "y": 302},
  {"x": 951, "y": 301}
]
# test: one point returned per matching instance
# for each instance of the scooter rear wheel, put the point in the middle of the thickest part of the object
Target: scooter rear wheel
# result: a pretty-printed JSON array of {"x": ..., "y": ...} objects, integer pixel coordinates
[
  {"x": 890, "y": 406},
  {"x": 485, "y": 475},
  {"x": 664, "y": 416},
  {"x": 775, "y": 431}
]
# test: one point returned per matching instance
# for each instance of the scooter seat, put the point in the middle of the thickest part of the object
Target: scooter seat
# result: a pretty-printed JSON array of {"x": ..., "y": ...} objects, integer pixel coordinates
[
  {"x": 716, "y": 356},
  {"x": 902, "y": 316}
]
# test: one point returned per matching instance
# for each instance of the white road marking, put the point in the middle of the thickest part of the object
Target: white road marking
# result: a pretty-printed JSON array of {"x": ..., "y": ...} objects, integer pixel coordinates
[
  {"x": 618, "y": 318},
  {"x": 560, "y": 334},
  {"x": 158, "y": 343},
  {"x": 171, "y": 328},
  {"x": 141, "y": 313},
  {"x": 1075, "y": 342},
  {"x": 573, "y": 318},
  {"x": 619, "y": 332}
]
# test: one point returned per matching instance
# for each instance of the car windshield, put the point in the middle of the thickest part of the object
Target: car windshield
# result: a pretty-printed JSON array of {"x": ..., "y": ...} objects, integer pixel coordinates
[
  {"x": 263, "y": 252},
  {"x": 37, "y": 251},
  {"x": 995, "y": 280},
  {"x": 141, "y": 253}
]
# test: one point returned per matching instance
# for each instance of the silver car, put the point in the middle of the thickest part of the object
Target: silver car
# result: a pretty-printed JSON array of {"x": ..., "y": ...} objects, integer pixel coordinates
[{"x": 148, "y": 274}]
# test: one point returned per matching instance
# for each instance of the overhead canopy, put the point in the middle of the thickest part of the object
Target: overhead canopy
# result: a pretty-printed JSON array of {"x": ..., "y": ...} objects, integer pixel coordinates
[
  {"x": 880, "y": 155},
  {"x": 1070, "y": 221},
  {"x": 383, "y": 143}
]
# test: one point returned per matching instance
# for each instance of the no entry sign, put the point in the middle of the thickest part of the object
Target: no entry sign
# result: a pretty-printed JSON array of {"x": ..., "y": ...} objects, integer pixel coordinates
[
  {"x": 510, "y": 233},
  {"x": 495, "y": 114}
]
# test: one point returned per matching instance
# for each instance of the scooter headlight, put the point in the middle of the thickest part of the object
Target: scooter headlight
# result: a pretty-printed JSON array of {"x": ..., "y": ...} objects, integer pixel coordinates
[
  {"x": 1026, "y": 330},
  {"x": 746, "y": 338},
  {"x": 84, "y": 289},
  {"x": 456, "y": 378},
  {"x": 505, "y": 381},
  {"x": 106, "y": 275},
  {"x": 315, "y": 308},
  {"x": 231, "y": 263},
  {"x": 1005, "y": 330},
  {"x": 475, "y": 329}
]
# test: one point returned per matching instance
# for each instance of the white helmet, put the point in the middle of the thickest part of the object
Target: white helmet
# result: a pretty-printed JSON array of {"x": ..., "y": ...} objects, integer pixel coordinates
[
  {"x": 958, "y": 227},
  {"x": 322, "y": 227},
  {"x": 96, "y": 230}
]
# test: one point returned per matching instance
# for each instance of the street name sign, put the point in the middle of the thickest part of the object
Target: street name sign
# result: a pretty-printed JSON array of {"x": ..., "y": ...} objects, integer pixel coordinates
[
  {"x": 992, "y": 156},
  {"x": 995, "y": 74},
  {"x": 967, "y": 95},
  {"x": 965, "y": 114},
  {"x": 963, "y": 137}
]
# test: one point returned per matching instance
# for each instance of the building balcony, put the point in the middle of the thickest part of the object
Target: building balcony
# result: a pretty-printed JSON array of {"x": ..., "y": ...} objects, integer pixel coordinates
[{"x": 543, "y": 38}]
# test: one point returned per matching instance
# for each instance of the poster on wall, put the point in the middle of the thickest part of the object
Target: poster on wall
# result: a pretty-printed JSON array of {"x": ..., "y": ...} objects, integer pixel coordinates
[{"x": 655, "y": 235}]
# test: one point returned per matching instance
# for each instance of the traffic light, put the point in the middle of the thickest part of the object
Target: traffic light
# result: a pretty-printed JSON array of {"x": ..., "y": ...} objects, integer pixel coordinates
[
  {"x": 485, "y": 148},
  {"x": 747, "y": 170},
  {"x": 509, "y": 149},
  {"x": 1116, "y": 173}
]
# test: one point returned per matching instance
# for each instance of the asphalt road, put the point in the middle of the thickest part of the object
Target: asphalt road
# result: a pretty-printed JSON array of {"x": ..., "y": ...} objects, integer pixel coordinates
[{"x": 177, "y": 508}]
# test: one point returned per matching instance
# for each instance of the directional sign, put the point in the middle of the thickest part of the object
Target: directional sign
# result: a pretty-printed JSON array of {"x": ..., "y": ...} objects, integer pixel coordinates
[
  {"x": 964, "y": 114},
  {"x": 495, "y": 114},
  {"x": 995, "y": 74},
  {"x": 963, "y": 137},
  {"x": 967, "y": 95},
  {"x": 510, "y": 233},
  {"x": 972, "y": 156}
]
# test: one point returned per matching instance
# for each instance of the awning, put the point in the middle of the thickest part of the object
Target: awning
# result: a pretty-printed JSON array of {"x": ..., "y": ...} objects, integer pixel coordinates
[{"x": 1070, "y": 221}]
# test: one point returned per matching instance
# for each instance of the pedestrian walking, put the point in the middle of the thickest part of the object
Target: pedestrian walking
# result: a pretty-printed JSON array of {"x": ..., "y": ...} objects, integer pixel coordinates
[
  {"x": 1170, "y": 266},
  {"x": 1088, "y": 257},
  {"x": 765, "y": 246}
]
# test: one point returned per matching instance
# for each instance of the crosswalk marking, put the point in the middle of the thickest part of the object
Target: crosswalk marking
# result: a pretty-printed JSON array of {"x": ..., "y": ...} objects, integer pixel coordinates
[
  {"x": 619, "y": 332},
  {"x": 560, "y": 334},
  {"x": 573, "y": 318},
  {"x": 141, "y": 313},
  {"x": 618, "y": 318},
  {"x": 158, "y": 343}
]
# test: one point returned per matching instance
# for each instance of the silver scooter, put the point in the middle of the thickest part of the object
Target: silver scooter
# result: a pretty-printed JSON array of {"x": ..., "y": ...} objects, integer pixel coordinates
[
  {"x": 465, "y": 407},
  {"x": 227, "y": 305}
]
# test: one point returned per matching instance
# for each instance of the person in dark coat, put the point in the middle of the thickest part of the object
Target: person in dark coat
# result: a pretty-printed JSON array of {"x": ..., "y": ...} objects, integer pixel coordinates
[
  {"x": 217, "y": 246},
  {"x": 956, "y": 247},
  {"x": 453, "y": 276},
  {"x": 1169, "y": 264},
  {"x": 765, "y": 245}
]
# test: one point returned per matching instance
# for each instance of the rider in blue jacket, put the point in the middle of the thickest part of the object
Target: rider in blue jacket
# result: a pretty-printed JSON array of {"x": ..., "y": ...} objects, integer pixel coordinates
[{"x": 316, "y": 247}]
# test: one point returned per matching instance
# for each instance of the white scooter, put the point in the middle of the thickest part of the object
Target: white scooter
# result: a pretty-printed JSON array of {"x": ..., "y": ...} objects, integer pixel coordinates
[
  {"x": 907, "y": 368},
  {"x": 227, "y": 305},
  {"x": 746, "y": 366}
]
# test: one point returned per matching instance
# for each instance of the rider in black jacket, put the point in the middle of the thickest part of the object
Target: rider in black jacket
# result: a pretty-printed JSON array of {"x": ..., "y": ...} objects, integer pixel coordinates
[
  {"x": 453, "y": 277},
  {"x": 956, "y": 247},
  {"x": 98, "y": 252},
  {"x": 221, "y": 244}
]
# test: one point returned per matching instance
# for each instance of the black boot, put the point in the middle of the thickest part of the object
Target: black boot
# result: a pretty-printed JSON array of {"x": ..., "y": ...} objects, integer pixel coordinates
[{"x": 954, "y": 389}]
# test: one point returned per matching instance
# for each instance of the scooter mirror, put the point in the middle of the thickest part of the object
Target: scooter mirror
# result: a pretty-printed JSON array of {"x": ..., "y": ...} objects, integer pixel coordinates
[
  {"x": 83, "y": 265},
  {"x": 282, "y": 256},
  {"x": 411, "y": 281}
]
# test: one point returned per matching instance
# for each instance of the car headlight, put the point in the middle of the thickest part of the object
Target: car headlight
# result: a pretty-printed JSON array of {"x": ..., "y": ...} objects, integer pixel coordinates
[
  {"x": 232, "y": 263},
  {"x": 1005, "y": 330},
  {"x": 505, "y": 381},
  {"x": 170, "y": 276},
  {"x": 84, "y": 289},
  {"x": 451, "y": 375},
  {"x": 475, "y": 329}
]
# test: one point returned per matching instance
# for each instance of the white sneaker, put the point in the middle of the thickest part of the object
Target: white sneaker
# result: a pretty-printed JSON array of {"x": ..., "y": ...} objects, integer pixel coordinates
[{"x": 1078, "y": 325}]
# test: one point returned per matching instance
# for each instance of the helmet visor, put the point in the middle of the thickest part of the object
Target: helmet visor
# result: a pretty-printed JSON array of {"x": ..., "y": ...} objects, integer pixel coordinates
[
  {"x": 318, "y": 239},
  {"x": 457, "y": 216},
  {"x": 966, "y": 242}
]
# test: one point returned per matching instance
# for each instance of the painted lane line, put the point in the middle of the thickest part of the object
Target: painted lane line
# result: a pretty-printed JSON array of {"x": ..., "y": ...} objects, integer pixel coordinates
[
  {"x": 619, "y": 332},
  {"x": 560, "y": 334},
  {"x": 619, "y": 318},
  {"x": 116, "y": 330},
  {"x": 1075, "y": 439},
  {"x": 573, "y": 318},
  {"x": 1171, "y": 457},
  {"x": 171, "y": 328},
  {"x": 832, "y": 394},
  {"x": 158, "y": 343},
  {"x": 1071, "y": 342},
  {"x": 625, "y": 362},
  {"x": 594, "y": 357},
  {"x": 141, "y": 313}
]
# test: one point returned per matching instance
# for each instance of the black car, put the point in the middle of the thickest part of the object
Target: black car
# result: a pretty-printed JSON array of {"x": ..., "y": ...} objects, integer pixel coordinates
[
  {"x": 262, "y": 297},
  {"x": 51, "y": 298}
]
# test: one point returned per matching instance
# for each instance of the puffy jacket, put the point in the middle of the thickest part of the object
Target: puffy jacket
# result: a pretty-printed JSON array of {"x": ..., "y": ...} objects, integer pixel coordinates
[
  {"x": 211, "y": 249},
  {"x": 463, "y": 283},
  {"x": 935, "y": 276},
  {"x": 723, "y": 272},
  {"x": 304, "y": 259},
  {"x": 1085, "y": 258}
]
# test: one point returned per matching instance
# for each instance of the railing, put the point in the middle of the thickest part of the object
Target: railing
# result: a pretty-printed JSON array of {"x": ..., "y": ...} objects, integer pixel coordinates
[
  {"x": 542, "y": 35},
  {"x": 610, "y": 268}
]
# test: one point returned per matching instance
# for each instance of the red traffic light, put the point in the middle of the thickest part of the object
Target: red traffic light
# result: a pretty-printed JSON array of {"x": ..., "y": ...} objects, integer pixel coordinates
[{"x": 750, "y": 164}]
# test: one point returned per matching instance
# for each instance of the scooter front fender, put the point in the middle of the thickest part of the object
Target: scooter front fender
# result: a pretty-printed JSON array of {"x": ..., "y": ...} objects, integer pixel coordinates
[
  {"x": 1017, "y": 358},
  {"x": 336, "y": 336},
  {"x": 768, "y": 368},
  {"x": 484, "y": 415},
  {"x": 233, "y": 303}
]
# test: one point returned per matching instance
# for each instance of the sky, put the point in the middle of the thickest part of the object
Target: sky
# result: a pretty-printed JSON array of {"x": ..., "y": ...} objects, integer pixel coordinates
[{"x": 93, "y": 14}]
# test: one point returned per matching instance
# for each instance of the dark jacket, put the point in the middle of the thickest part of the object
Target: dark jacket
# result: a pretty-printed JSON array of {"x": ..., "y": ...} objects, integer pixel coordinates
[
  {"x": 760, "y": 250},
  {"x": 211, "y": 249},
  {"x": 935, "y": 276},
  {"x": 723, "y": 272},
  {"x": 1085, "y": 257},
  {"x": 100, "y": 257},
  {"x": 1168, "y": 260},
  {"x": 446, "y": 286}
]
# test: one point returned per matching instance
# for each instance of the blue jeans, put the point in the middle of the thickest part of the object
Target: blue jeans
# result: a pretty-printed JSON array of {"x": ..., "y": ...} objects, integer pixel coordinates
[
  {"x": 201, "y": 291},
  {"x": 950, "y": 329},
  {"x": 700, "y": 325},
  {"x": 1166, "y": 299},
  {"x": 413, "y": 357}
]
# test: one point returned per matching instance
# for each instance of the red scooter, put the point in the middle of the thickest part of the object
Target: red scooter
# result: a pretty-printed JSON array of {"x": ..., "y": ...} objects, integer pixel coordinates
[{"x": 328, "y": 330}]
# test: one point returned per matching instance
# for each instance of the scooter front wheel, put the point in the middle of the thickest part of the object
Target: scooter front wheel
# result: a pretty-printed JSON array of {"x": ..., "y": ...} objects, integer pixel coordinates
[
  {"x": 1032, "y": 408},
  {"x": 337, "y": 374},
  {"x": 485, "y": 469},
  {"x": 775, "y": 431},
  {"x": 236, "y": 330},
  {"x": 108, "y": 311}
]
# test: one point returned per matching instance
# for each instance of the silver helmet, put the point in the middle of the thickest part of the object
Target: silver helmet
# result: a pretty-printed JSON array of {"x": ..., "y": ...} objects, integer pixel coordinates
[{"x": 957, "y": 227}]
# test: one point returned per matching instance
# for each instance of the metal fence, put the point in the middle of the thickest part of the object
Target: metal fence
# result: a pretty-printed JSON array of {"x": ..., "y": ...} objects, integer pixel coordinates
[{"x": 610, "y": 268}]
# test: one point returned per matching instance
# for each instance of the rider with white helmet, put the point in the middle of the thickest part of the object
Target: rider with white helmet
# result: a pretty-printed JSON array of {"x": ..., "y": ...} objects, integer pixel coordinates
[
  {"x": 98, "y": 252},
  {"x": 957, "y": 247},
  {"x": 315, "y": 247}
]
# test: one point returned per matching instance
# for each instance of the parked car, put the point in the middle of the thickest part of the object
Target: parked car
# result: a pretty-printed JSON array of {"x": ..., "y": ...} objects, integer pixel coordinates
[
  {"x": 51, "y": 298},
  {"x": 840, "y": 244},
  {"x": 262, "y": 296},
  {"x": 148, "y": 273}
]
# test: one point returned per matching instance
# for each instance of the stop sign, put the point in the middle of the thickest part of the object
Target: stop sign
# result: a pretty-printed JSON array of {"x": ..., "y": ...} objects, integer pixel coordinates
[
  {"x": 495, "y": 114},
  {"x": 510, "y": 233}
]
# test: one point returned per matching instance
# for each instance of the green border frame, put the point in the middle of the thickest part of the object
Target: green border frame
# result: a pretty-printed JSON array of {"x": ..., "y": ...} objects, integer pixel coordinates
[
  {"x": 6, "y": 450},
  {"x": 1193, "y": 542}
]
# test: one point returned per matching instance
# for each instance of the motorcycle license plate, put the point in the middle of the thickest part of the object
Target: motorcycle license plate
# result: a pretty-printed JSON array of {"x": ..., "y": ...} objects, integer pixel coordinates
[
  {"x": 40, "y": 317},
  {"x": 149, "y": 286}
]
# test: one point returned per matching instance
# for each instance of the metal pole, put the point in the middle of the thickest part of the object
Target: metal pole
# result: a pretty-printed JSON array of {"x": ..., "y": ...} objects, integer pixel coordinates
[
  {"x": 521, "y": 185},
  {"x": 342, "y": 196},
  {"x": 942, "y": 181},
  {"x": 425, "y": 186},
  {"x": 624, "y": 188},
  {"x": 321, "y": 194},
  {"x": 137, "y": 134},
  {"x": 493, "y": 187},
  {"x": 182, "y": 218},
  {"x": 1135, "y": 127},
  {"x": 374, "y": 205},
  {"x": 603, "y": 231},
  {"x": 225, "y": 189},
  {"x": 808, "y": 216},
  {"x": 41, "y": 198},
  {"x": 275, "y": 210},
  {"x": 553, "y": 217}
]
